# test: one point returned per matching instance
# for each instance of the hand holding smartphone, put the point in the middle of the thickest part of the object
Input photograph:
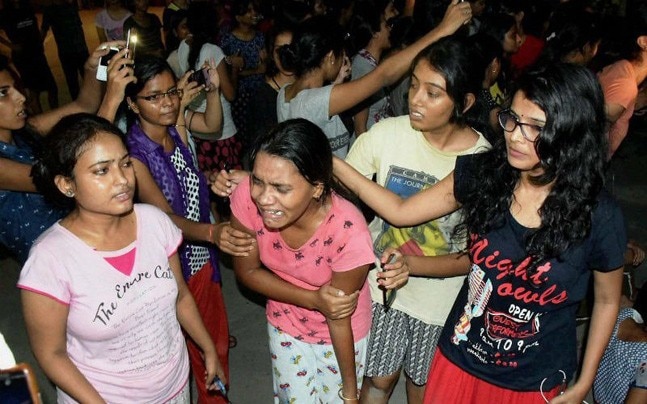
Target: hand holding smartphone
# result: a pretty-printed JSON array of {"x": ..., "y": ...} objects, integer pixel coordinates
[
  {"x": 388, "y": 295},
  {"x": 201, "y": 77},
  {"x": 102, "y": 69}
]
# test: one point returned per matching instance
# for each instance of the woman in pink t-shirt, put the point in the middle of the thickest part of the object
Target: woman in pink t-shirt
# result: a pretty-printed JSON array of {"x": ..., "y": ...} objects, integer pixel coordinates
[
  {"x": 317, "y": 251},
  {"x": 104, "y": 298}
]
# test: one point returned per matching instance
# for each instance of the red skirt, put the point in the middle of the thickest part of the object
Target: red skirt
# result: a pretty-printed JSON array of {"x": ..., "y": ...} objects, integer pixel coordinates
[
  {"x": 208, "y": 297},
  {"x": 447, "y": 383}
]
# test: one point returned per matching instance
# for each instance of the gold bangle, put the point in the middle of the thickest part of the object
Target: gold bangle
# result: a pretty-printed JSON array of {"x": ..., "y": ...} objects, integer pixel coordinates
[
  {"x": 341, "y": 395},
  {"x": 179, "y": 124}
]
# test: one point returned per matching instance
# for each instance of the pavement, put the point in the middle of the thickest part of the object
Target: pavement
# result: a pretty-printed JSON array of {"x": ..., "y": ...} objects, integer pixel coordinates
[{"x": 251, "y": 379}]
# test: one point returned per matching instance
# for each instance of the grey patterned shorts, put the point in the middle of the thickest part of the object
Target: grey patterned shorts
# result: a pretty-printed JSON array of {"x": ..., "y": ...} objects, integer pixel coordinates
[{"x": 399, "y": 340}]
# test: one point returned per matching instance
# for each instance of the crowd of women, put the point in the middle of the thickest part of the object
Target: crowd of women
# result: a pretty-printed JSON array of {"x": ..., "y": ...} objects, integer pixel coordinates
[{"x": 473, "y": 141}]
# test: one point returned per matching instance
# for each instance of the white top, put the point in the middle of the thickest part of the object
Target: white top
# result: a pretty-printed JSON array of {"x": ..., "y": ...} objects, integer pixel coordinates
[
  {"x": 406, "y": 163},
  {"x": 209, "y": 51}
]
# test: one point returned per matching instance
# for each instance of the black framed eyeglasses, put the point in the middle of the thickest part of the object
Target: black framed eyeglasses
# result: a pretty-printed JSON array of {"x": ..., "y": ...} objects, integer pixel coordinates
[
  {"x": 155, "y": 98},
  {"x": 510, "y": 121}
]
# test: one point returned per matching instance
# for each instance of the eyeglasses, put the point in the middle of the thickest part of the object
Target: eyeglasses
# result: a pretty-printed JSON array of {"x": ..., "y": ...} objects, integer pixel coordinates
[
  {"x": 155, "y": 98},
  {"x": 509, "y": 122}
]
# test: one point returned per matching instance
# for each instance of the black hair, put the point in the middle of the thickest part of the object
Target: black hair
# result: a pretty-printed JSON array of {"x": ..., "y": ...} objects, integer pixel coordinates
[
  {"x": 145, "y": 69},
  {"x": 637, "y": 27},
  {"x": 68, "y": 139},
  {"x": 569, "y": 33},
  {"x": 311, "y": 41},
  {"x": 239, "y": 7},
  {"x": 305, "y": 145},
  {"x": 366, "y": 21},
  {"x": 201, "y": 21},
  {"x": 572, "y": 151},
  {"x": 453, "y": 58},
  {"x": 498, "y": 25},
  {"x": 270, "y": 41}
]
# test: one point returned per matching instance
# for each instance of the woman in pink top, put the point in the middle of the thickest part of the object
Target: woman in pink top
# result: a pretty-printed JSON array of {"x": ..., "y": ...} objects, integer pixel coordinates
[
  {"x": 317, "y": 251},
  {"x": 102, "y": 290}
]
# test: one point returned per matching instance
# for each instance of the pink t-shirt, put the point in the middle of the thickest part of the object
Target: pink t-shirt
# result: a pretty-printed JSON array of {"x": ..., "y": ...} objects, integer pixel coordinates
[
  {"x": 341, "y": 243},
  {"x": 618, "y": 82},
  {"x": 122, "y": 329}
]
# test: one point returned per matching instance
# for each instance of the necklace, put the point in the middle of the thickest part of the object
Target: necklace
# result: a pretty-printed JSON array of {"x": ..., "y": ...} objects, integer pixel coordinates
[{"x": 276, "y": 84}]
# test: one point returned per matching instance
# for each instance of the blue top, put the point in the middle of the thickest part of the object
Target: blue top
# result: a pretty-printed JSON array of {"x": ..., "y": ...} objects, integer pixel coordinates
[{"x": 24, "y": 215}]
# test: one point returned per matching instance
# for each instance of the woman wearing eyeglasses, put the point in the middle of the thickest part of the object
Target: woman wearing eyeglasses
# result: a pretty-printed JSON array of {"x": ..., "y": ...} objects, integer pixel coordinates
[
  {"x": 157, "y": 142},
  {"x": 538, "y": 225}
]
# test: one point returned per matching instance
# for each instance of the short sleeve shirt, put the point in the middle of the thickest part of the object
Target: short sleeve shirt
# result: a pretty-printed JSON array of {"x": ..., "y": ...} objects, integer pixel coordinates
[
  {"x": 341, "y": 243},
  {"x": 312, "y": 104},
  {"x": 620, "y": 363},
  {"x": 122, "y": 329},
  {"x": 24, "y": 215},
  {"x": 513, "y": 328}
]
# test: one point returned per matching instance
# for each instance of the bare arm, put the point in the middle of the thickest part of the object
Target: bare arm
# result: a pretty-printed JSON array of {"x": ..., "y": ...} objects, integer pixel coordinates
[
  {"x": 150, "y": 193},
  {"x": 330, "y": 301},
  {"x": 211, "y": 120},
  {"x": 15, "y": 176},
  {"x": 46, "y": 321},
  {"x": 607, "y": 287},
  {"x": 391, "y": 69},
  {"x": 190, "y": 320},
  {"x": 89, "y": 95},
  {"x": 360, "y": 121},
  {"x": 341, "y": 332},
  {"x": 120, "y": 74},
  {"x": 396, "y": 275},
  {"x": 428, "y": 204},
  {"x": 636, "y": 395}
]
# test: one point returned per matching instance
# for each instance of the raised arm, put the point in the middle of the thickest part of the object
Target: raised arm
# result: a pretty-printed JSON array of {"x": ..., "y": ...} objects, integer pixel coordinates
[
  {"x": 89, "y": 98},
  {"x": 341, "y": 332},
  {"x": 426, "y": 205},
  {"x": 46, "y": 321},
  {"x": 330, "y": 301},
  {"x": 120, "y": 74},
  {"x": 211, "y": 120},
  {"x": 391, "y": 69},
  {"x": 607, "y": 287}
]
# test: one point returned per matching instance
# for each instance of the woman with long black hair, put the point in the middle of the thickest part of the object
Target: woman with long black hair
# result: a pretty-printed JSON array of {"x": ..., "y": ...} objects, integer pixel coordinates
[{"x": 538, "y": 225}]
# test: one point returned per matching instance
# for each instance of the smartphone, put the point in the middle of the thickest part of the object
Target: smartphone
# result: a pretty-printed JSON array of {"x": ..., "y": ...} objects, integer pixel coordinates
[
  {"x": 131, "y": 43},
  {"x": 102, "y": 70},
  {"x": 18, "y": 385},
  {"x": 201, "y": 77},
  {"x": 388, "y": 295}
]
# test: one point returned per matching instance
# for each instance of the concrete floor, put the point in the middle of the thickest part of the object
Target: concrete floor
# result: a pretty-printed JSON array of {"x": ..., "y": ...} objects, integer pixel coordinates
[{"x": 250, "y": 366}]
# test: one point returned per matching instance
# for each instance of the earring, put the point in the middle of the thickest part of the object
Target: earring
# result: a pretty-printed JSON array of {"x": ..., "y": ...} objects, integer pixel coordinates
[{"x": 69, "y": 193}]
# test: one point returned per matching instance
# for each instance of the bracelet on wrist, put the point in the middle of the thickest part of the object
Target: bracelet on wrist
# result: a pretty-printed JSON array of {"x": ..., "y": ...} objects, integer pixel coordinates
[{"x": 341, "y": 395}]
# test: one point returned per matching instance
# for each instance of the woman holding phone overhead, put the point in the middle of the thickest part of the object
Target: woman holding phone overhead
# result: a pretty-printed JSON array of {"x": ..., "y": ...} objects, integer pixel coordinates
[{"x": 538, "y": 224}]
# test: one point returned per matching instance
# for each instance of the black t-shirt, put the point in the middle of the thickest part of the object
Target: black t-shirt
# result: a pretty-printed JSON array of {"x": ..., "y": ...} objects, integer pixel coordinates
[
  {"x": 512, "y": 330},
  {"x": 21, "y": 26}
]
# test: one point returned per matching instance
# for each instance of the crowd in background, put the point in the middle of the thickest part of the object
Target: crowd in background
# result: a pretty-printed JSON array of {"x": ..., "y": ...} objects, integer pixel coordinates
[{"x": 475, "y": 224}]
